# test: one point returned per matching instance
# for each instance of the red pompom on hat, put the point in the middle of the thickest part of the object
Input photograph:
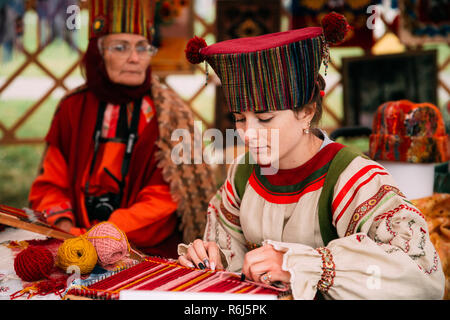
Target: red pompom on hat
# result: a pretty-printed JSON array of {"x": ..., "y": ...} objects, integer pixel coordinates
[
  {"x": 193, "y": 48},
  {"x": 335, "y": 27}
]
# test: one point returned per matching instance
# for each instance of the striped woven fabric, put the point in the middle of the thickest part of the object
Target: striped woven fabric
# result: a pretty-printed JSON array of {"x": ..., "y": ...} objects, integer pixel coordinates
[
  {"x": 162, "y": 275},
  {"x": 121, "y": 16},
  {"x": 281, "y": 76}
]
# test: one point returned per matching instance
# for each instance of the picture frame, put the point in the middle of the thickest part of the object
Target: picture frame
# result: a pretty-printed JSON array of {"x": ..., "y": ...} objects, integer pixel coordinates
[{"x": 370, "y": 81}]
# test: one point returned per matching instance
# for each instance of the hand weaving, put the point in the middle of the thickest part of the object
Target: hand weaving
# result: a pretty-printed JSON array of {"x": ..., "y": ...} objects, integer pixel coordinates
[
  {"x": 162, "y": 275},
  {"x": 44, "y": 265},
  {"x": 30, "y": 220},
  {"x": 149, "y": 273}
]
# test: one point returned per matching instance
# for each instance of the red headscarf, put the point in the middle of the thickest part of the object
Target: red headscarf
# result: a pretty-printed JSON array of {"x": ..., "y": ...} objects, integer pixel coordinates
[{"x": 97, "y": 79}]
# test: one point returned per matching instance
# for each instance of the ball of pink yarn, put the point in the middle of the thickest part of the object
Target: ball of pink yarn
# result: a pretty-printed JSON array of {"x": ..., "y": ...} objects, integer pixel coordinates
[{"x": 110, "y": 243}]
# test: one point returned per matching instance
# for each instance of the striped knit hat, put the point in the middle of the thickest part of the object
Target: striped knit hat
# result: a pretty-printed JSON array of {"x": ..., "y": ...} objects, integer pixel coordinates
[
  {"x": 276, "y": 71},
  {"x": 121, "y": 16},
  {"x": 408, "y": 132}
]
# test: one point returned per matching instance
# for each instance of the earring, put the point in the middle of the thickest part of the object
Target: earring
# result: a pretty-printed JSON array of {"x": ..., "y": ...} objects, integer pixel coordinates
[{"x": 306, "y": 131}]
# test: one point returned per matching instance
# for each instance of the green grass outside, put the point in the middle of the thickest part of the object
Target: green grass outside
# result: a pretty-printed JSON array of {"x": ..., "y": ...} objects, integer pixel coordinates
[
  {"x": 19, "y": 164},
  {"x": 37, "y": 125},
  {"x": 18, "y": 168}
]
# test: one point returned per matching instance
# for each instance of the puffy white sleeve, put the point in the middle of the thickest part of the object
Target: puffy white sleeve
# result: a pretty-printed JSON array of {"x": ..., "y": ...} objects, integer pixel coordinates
[
  {"x": 383, "y": 250},
  {"x": 223, "y": 225}
]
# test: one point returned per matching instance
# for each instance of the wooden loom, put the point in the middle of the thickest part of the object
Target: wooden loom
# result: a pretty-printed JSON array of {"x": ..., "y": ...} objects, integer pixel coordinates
[
  {"x": 157, "y": 274},
  {"x": 148, "y": 273},
  {"x": 30, "y": 220},
  {"x": 34, "y": 221}
]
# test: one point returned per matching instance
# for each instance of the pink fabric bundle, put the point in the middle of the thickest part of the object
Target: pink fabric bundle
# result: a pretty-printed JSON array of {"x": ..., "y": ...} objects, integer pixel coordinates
[{"x": 109, "y": 241}]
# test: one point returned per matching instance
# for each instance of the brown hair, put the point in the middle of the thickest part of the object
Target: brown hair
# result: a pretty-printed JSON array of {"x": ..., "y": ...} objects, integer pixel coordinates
[{"x": 315, "y": 98}]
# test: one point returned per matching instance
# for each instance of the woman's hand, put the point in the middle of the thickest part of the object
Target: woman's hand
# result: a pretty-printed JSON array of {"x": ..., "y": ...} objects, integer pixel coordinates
[
  {"x": 64, "y": 225},
  {"x": 67, "y": 226},
  {"x": 203, "y": 255},
  {"x": 264, "y": 265}
]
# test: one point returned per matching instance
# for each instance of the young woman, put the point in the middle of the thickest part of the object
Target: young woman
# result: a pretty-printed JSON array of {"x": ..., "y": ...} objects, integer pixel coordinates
[
  {"x": 328, "y": 220},
  {"x": 109, "y": 145}
]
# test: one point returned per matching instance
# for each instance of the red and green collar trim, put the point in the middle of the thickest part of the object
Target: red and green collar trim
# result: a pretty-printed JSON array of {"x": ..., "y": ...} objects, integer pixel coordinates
[{"x": 288, "y": 186}]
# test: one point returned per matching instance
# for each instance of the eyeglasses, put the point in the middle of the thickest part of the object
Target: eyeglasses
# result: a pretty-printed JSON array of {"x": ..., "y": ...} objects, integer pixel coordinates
[{"x": 123, "y": 49}]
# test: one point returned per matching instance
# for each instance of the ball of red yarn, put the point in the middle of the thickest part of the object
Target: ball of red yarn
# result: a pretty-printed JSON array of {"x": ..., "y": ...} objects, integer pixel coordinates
[
  {"x": 192, "y": 50},
  {"x": 335, "y": 27},
  {"x": 34, "y": 263}
]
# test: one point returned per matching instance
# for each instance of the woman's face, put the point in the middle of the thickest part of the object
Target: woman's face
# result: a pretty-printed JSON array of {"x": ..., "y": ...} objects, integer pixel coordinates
[
  {"x": 274, "y": 137},
  {"x": 127, "y": 57}
]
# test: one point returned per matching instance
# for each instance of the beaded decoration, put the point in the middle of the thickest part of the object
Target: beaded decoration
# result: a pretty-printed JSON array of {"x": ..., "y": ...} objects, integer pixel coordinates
[
  {"x": 325, "y": 53},
  {"x": 328, "y": 270}
]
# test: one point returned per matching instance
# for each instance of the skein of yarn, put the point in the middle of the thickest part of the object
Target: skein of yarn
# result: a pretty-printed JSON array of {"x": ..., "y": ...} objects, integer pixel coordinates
[
  {"x": 109, "y": 241},
  {"x": 34, "y": 263},
  {"x": 77, "y": 252}
]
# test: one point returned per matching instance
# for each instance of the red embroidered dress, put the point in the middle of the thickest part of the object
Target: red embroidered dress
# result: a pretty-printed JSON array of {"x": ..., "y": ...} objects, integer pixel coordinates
[{"x": 147, "y": 212}]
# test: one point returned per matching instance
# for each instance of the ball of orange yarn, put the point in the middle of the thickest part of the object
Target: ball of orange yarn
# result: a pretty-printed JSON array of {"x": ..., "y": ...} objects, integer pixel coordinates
[
  {"x": 109, "y": 241},
  {"x": 34, "y": 263}
]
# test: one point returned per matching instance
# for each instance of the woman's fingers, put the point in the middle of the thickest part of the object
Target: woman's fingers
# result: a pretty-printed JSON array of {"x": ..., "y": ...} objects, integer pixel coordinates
[
  {"x": 256, "y": 271},
  {"x": 251, "y": 258},
  {"x": 260, "y": 265},
  {"x": 65, "y": 225},
  {"x": 193, "y": 256},
  {"x": 202, "y": 255},
  {"x": 199, "y": 255},
  {"x": 214, "y": 256},
  {"x": 184, "y": 261},
  {"x": 265, "y": 265}
]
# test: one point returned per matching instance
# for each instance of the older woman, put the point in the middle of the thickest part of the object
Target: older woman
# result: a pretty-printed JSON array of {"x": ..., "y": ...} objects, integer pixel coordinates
[
  {"x": 326, "y": 221},
  {"x": 110, "y": 138}
]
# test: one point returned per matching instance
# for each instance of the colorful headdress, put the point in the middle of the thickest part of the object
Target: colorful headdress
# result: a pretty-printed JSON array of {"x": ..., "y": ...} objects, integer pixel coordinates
[
  {"x": 408, "y": 132},
  {"x": 121, "y": 16},
  {"x": 275, "y": 71}
]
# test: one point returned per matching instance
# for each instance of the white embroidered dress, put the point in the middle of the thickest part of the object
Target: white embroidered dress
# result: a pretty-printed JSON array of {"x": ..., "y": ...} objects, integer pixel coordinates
[{"x": 383, "y": 250}]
